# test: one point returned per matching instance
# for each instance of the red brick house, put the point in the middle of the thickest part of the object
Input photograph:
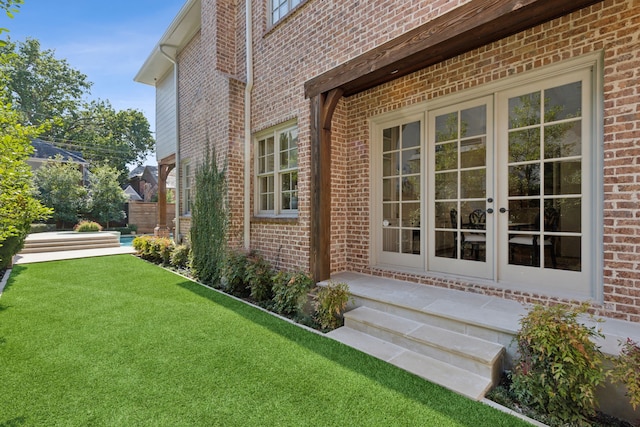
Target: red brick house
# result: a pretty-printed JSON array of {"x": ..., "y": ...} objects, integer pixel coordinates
[
  {"x": 488, "y": 146},
  {"x": 379, "y": 130}
]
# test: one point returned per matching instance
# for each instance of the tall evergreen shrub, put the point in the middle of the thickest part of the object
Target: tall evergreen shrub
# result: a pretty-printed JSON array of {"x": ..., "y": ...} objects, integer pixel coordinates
[{"x": 209, "y": 221}]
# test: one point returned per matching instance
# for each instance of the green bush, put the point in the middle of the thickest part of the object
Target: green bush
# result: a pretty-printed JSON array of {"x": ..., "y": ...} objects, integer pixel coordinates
[
  {"x": 626, "y": 369},
  {"x": 258, "y": 277},
  {"x": 233, "y": 273},
  {"x": 154, "y": 249},
  {"x": 330, "y": 302},
  {"x": 180, "y": 256},
  {"x": 290, "y": 292},
  {"x": 42, "y": 228},
  {"x": 558, "y": 367},
  {"x": 129, "y": 229},
  {"x": 87, "y": 227}
]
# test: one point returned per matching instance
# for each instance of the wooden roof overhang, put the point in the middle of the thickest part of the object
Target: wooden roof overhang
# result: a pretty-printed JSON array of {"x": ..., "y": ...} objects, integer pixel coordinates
[{"x": 463, "y": 29}]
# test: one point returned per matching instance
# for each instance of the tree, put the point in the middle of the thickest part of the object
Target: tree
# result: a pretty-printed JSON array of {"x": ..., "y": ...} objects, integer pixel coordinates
[
  {"x": 106, "y": 198},
  {"x": 60, "y": 187},
  {"x": 18, "y": 206},
  {"x": 46, "y": 89},
  {"x": 41, "y": 86},
  {"x": 105, "y": 135}
]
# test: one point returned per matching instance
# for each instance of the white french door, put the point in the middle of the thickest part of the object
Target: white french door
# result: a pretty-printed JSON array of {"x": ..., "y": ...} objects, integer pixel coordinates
[
  {"x": 499, "y": 186},
  {"x": 543, "y": 207}
]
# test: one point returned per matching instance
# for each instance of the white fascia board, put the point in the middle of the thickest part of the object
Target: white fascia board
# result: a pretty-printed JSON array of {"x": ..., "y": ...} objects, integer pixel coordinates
[{"x": 184, "y": 26}]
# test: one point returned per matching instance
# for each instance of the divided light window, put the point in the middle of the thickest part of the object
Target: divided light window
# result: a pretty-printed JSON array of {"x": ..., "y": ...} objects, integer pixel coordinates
[
  {"x": 277, "y": 171},
  {"x": 188, "y": 195},
  {"x": 280, "y": 8}
]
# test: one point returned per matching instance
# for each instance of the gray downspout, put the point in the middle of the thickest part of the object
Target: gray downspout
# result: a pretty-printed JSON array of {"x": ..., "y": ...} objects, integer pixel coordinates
[
  {"x": 176, "y": 237},
  {"x": 247, "y": 125}
]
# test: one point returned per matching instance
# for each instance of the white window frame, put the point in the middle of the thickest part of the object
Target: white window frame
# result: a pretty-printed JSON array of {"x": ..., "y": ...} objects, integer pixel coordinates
[
  {"x": 277, "y": 173},
  {"x": 278, "y": 9},
  {"x": 187, "y": 188}
]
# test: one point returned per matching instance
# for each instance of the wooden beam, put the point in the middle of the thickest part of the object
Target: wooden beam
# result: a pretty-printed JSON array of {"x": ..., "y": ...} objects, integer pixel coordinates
[
  {"x": 322, "y": 109},
  {"x": 465, "y": 28}
]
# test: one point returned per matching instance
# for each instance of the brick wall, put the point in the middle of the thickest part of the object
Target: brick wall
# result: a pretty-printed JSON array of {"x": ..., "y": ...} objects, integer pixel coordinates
[{"x": 319, "y": 35}]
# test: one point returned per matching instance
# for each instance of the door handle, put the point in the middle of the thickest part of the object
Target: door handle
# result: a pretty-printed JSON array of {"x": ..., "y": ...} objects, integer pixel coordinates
[{"x": 503, "y": 210}]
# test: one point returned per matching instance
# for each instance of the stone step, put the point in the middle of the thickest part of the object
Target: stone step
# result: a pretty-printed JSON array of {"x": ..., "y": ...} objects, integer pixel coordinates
[
  {"x": 446, "y": 375},
  {"x": 68, "y": 241},
  {"x": 463, "y": 351}
]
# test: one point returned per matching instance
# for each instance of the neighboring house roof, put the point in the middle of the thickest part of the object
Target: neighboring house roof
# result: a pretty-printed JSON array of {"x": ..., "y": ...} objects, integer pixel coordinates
[
  {"x": 133, "y": 194},
  {"x": 44, "y": 151},
  {"x": 180, "y": 32},
  {"x": 146, "y": 173}
]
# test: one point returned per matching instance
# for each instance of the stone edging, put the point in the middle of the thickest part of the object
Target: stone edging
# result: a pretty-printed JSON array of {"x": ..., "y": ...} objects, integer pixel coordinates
[{"x": 3, "y": 281}]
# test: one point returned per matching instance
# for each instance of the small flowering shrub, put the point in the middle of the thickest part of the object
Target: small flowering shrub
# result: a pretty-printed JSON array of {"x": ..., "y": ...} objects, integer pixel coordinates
[
  {"x": 257, "y": 276},
  {"x": 233, "y": 272},
  {"x": 626, "y": 369},
  {"x": 330, "y": 303},
  {"x": 558, "y": 367},
  {"x": 87, "y": 226},
  {"x": 290, "y": 292}
]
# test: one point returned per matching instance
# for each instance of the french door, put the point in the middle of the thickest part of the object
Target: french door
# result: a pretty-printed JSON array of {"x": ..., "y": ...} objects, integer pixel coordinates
[
  {"x": 497, "y": 187},
  {"x": 461, "y": 188}
]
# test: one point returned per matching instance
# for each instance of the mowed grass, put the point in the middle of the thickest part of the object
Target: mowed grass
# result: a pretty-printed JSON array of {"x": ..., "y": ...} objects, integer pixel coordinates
[{"x": 116, "y": 341}]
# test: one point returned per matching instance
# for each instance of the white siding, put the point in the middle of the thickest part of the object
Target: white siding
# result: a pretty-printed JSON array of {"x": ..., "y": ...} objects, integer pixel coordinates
[{"x": 165, "y": 117}]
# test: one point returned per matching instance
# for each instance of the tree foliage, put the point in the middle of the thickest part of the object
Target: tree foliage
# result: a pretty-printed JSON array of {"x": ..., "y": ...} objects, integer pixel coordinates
[
  {"x": 208, "y": 234},
  {"x": 106, "y": 198},
  {"x": 60, "y": 188},
  {"x": 47, "y": 90},
  {"x": 18, "y": 206}
]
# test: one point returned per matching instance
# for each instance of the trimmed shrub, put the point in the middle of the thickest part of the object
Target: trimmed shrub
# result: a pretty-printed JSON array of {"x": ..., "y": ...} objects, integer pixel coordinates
[
  {"x": 290, "y": 292},
  {"x": 330, "y": 302},
  {"x": 258, "y": 277},
  {"x": 558, "y": 367},
  {"x": 180, "y": 256},
  {"x": 154, "y": 249},
  {"x": 87, "y": 227}
]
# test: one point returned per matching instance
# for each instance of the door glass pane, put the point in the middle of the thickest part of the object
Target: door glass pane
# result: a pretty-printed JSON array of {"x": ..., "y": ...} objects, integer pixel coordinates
[
  {"x": 473, "y": 121},
  {"x": 562, "y": 177},
  {"x": 545, "y": 213},
  {"x": 446, "y": 156},
  {"x": 411, "y": 135},
  {"x": 447, "y": 185},
  {"x": 461, "y": 184},
  {"x": 447, "y": 127},
  {"x": 524, "y": 180},
  {"x": 473, "y": 183},
  {"x": 401, "y": 188},
  {"x": 563, "y": 102},
  {"x": 563, "y": 140},
  {"x": 473, "y": 152},
  {"x": 524, "y": 110},
  {"x": 524, "y": 145}
]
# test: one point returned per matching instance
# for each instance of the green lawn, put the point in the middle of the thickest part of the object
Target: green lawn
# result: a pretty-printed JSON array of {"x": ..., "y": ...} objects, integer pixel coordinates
[{"x": 117, "y": 341}]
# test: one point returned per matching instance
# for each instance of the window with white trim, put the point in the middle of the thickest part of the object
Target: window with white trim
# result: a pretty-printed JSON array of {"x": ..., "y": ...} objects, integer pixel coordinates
[
  {"x": 187, "y": 180},
  {"x": 280, "y": 8},
  {"x": 277, "y": 171}
]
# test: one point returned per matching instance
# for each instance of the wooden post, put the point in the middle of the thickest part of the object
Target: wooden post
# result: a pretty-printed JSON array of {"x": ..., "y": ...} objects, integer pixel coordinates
[
  {"x": 162, "y": 230},
  {"x": 322, "y": 109}
]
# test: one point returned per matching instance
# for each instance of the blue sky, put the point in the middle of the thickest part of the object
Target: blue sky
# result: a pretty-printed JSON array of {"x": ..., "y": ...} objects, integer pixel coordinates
[{"x": 108, "y": 40}]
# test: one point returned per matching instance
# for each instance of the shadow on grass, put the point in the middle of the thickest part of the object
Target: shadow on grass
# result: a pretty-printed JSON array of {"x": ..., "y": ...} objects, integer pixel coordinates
[{"x": 413, "y": 387}]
